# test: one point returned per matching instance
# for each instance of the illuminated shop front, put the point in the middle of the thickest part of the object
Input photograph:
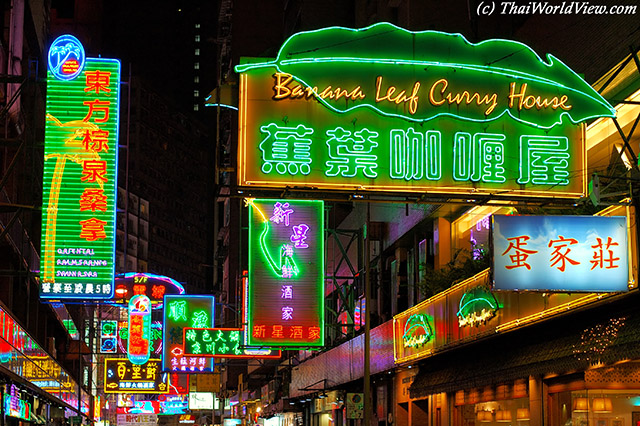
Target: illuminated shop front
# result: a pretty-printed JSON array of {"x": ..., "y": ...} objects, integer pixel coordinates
[
  {"x": 526, "y": 358},
  {"x": 35, "y": 385}
]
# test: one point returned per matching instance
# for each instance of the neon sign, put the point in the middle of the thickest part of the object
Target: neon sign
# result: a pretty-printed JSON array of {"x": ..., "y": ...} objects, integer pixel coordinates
[
  {"x": 477, "y": 306},
  {"x": 121, "y": 375},
  {"x": 66, "y": 57},
  {"x": 80, "y": 174},
  {"x": 141, "y": 283},
  {"x": 181, "y": 311},
  {"x": 156, "y": 337},
  {"x": 515, "y": 80},
  {"x": 417, "y": 331},
  {"x": 13, "y": 406},
  {"x": 560, "y": 253},
  {"x": 108, "y": 336},
  {"x": 285, "y": 302},
  {"x": 140, "y": 407},
  {"x": 174, "y": 404},
  {"x": 139, "y": 337},
  {"x": 347, "y": 116},
  {"x": 221, "y": 343}
]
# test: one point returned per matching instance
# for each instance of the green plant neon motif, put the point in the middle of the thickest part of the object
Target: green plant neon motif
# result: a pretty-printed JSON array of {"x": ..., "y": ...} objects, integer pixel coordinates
[
  {"x": 441, "y": 72},
  {"x": 417, "y": 331},
  {"x": 286, "y": 266},
  {"x": 477, "y": 306}
]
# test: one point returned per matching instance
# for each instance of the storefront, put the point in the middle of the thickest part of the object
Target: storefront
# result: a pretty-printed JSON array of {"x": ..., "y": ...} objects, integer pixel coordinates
[
  {"x": 34, "y": 387},
  {"x": 406, "y": 407},
  {"x": 327, "y": 409},
  {"x": 581, "y": 368}
]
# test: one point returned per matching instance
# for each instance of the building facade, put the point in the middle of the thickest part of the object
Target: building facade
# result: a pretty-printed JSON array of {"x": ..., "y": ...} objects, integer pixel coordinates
[{"x": 537, "y": 360}]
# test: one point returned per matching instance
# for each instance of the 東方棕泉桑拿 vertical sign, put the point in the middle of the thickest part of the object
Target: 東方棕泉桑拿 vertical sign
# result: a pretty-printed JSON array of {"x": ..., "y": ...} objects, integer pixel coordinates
[
  {"x": 285, "y": 295},
  {"x": 385, "y": 109},
  {"x": 80, "y": 174}
]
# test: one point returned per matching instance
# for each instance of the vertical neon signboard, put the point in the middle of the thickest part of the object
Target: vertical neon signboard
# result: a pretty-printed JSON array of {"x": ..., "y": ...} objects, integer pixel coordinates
[
  {"x": 181, "y": 311},
  {"x": 560, "y": 253},
  {"x": 286, "y": 273},
  {"x": 80, "y": 174},
  {"x": 139, "y": 343}
]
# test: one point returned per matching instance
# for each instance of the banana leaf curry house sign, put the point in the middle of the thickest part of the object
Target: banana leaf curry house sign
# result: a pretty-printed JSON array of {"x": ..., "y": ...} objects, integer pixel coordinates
[{"x": 386, "y": 109}]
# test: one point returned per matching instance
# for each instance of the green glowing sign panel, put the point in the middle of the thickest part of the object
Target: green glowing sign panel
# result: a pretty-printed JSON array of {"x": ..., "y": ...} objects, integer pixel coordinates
[
  {"x": 386, "y": 109},
  {"x": 285, "y": 306},
  {"x": 79, "y": 183},
  {"x": 220, "y": 342},
  {"x": 181, "y": 311}
]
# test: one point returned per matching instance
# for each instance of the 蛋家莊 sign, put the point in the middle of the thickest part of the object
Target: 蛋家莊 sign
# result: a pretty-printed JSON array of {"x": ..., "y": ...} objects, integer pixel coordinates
[
  {"x": 560, "y": 253},
  {"x": 386, "y": 109}
]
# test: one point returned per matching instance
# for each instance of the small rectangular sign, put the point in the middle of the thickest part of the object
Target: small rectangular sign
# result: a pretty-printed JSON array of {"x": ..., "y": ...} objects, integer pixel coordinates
[
  {"x": 121, "y": 375},
  {"x": 137, "y": 419},
  {"x": 560, "y": 253},
  {"x": 221, "y": 343}
]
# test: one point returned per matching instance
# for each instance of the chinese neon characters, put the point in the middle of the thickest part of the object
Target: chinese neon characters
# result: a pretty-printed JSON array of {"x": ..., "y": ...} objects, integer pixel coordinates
[{"x": 286, "y": 273}]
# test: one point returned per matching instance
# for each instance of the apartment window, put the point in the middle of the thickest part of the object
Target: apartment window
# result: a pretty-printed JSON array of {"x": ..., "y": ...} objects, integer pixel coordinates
[
  {"x": 197, "y": 52},
  {"x": 197, "y": 25},
  {"x": 197, "y": 38},
  {"x": 196, "y": 79},
  {"x": 195, "y": 107},
  {"x": 196, "y": 65},
  {"x": 196, "y": 93}
]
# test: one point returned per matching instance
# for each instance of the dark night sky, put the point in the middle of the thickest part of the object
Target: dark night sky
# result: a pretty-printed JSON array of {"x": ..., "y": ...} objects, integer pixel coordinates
[
  {"x": 141, "y": 35},
  {"x": 156, "y": 38}
]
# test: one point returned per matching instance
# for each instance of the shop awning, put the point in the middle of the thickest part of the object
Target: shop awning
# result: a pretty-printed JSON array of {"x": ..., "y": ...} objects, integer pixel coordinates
[{"x": 568, "y": 344}]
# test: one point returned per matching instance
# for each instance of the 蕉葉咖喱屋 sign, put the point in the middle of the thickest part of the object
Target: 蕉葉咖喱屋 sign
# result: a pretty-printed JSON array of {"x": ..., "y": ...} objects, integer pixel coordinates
[
  {"x": 386, "y": 109},
  {"x": 80, "y": 174}
]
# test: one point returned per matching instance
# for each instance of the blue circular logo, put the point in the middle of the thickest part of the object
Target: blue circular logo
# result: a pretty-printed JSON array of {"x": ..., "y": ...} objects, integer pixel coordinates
[{"x": 66, "y": 57}]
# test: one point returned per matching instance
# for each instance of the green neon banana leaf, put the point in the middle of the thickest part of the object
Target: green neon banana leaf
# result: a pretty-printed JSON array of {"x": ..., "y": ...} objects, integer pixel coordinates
[{"x": 347, "y": 58}]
